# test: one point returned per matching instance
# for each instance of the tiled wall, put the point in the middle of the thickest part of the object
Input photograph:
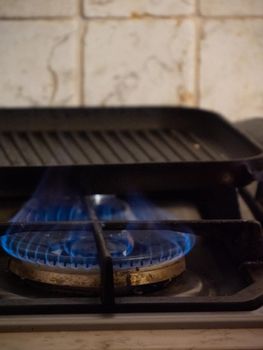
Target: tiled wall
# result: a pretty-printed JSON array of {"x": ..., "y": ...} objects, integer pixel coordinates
[{"x": 207, "y": 53}]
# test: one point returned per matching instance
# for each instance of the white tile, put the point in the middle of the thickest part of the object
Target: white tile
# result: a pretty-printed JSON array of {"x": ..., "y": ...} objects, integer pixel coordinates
[
  {"x": 231, "y": 67},
  {"x": 37, "y": 8},
  {"x": 134, "y": 8},
  {"x": 231, "y": 7},
  {"x": 37, "y": 63},
  {"x": 139, "y": 62}
]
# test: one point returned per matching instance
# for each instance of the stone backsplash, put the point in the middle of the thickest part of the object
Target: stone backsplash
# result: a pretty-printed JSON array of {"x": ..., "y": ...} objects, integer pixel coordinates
[{"x": 206, "y": 53}]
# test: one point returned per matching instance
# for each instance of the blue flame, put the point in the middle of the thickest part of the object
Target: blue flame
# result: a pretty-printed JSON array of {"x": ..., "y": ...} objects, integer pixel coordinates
[
  {"x": 151, "y": 247},
  {"x": 77, "y": 249},
  {"x": 129, "y": 249},
  {"x": 56, "y": 209},
  {"x": 143, "y": 209}
]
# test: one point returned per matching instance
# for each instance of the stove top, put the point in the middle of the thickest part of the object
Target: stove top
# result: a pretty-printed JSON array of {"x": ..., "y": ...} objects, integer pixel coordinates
[
  {"x": 164, "y": 255},
  {"x": 190, "y": 251}
]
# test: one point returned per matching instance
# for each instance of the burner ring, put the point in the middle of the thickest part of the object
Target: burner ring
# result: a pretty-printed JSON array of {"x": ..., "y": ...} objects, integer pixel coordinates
[{"x": 91, "y": 279}]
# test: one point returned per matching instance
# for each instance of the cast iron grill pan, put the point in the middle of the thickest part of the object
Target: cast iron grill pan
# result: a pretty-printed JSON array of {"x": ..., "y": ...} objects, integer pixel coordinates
[{"x": 124, "y": 149}]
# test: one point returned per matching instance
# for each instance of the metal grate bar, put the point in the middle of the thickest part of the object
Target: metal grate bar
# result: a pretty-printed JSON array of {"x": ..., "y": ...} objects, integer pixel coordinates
[
  {"x": 136, "y": 140},
  {"x": 209, "y": 149},
  {"x": 87, "y": 148},
  {"x": 12, "y": 152},
  {"x": 25, "y": 149},
  {"x": 110, "y": 144},
  {"x": 124, "y": 144},
  {"x": 201, "y": 147},
  {"x": 101, "y": 146},
  {"x": 195, "y": 147},
  {"x": 146, "y": 146},
  {"x": 40, "y": 148},
  {"x": 132, "y": 146},
  {"x": 4, "y": 159},
  {"x": 71, "y": 149},
  {"x": 56, "y": 149},
  {"x": 117, "y": 147},
  {"x": 177, "y": 148},
  {"x": 162, "y": 146},
  {"x": 184, "y": 143},
  {"x": 104, "y": 256}
]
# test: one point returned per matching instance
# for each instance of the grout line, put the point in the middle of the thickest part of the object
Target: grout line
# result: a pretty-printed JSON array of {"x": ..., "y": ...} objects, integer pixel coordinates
[
  {"x": 197, "y": 63},
  {"x": 230, "y": 17},
  {"x": 196, "y": 6},
  {"x": 79, "y": 5},
  {"x": 81, "y": 60},
  {"x": 38, "y": 18},
  {"x": 82, "y": 63},
  {"x": 175, "y": 17},
  {"x": 179, "y": 17},
  {"x": 139, "y": 17},
  {"x": 81, "y": 16},
  {"x": 81, "y": 9}
]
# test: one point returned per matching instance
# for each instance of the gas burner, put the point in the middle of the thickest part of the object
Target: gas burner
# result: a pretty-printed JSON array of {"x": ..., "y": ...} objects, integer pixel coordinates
[{"x": 70, "y": 259}]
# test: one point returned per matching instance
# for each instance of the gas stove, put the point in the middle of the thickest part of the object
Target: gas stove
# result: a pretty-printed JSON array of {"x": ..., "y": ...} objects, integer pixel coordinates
[
  {"x": 165, "y": 257},
  {"x": 184, "y": 257}
]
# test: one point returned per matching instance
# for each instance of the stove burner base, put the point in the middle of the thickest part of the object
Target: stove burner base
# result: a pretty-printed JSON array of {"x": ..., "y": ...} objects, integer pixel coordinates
[{"x": 124, "y": 280}]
